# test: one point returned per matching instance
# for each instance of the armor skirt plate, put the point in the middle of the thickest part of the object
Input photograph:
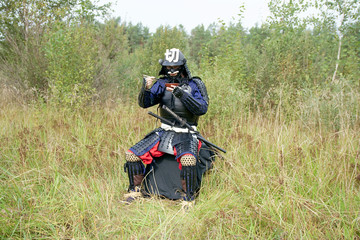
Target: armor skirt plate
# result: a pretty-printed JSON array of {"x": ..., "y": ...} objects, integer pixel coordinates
[{"x": 163, "y": 141}]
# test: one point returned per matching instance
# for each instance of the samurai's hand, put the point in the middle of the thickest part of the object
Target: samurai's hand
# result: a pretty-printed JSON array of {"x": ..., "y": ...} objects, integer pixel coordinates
[
  {"x": 178, "y": 92},
  {"x": 148, "y": 81}
]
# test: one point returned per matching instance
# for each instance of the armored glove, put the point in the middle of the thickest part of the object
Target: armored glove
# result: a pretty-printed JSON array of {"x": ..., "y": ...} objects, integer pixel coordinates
[{"x": 178, "y": 92}]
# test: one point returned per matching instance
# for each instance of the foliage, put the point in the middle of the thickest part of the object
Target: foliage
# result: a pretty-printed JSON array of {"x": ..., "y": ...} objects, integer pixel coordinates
[
  {"x": 288, "y": 52},
  {"x": 138, "y": 35},
  {"x": 286, "y": 55},
  {"x": 71, "y": 58},
  {"x": 113, "y": 67},
  {"x": 197, "y": 40},
  {"x": 24, "y": 29}
]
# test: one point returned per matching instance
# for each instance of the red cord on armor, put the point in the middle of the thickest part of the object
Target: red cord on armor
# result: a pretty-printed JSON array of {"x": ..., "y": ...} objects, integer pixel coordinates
[{"x": 148, "y": 157}]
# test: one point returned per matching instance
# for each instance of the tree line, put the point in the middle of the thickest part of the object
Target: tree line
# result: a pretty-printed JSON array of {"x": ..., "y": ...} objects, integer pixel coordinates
[{"x": 71, "y": 53}]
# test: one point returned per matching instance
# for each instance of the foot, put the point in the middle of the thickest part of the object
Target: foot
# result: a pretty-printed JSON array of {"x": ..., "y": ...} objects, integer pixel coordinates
[
  {"x": 132, "y": 195},
  {"x": 187, "y": 205}
]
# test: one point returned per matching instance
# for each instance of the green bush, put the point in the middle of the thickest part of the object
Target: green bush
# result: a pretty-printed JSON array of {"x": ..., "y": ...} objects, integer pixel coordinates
[{"x": 71, "y": 55}]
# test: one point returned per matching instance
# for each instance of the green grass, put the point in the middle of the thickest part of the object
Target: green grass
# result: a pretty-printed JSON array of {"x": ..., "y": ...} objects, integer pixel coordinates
[{"x": 61, "y": 176}]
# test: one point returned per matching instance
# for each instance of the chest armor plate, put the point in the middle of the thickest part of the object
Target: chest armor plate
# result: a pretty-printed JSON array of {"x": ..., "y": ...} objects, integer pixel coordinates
[{"x": 177, "y": 107}]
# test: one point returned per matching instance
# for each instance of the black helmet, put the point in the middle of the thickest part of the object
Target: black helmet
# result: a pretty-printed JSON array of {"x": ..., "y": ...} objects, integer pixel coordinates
[{"x": 174, "y": 57}]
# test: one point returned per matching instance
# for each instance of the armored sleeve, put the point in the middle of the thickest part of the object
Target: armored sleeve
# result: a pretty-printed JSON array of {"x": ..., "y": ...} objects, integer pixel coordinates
[
  {"x": 149, "y": 97},
  {"x": 194, "y": 101},
  {"x": 202, "y": 88}
]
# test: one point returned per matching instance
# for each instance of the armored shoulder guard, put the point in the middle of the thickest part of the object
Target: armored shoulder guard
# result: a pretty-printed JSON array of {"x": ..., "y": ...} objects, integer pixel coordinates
[{"x": 200, "y": 84}]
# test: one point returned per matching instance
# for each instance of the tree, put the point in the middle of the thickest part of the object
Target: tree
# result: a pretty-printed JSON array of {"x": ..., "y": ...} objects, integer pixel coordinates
[
  {"x": 137, "y": 35},
  {"x": 341, "y": 14},
  {"x": 198, "y": 38},
  {"x": 22, "y": 28}
]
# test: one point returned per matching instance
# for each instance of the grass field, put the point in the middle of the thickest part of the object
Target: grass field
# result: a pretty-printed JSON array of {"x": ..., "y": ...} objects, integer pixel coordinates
[{"x": 61, "y": 175}]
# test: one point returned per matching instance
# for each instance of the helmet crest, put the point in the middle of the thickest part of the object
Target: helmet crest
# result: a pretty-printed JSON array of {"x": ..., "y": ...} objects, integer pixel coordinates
[{"x": 174, "y": 57}]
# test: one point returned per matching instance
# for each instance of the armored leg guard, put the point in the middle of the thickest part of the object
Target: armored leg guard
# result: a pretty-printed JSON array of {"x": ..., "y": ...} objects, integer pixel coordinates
[
  {"x": 135, "y": 170},
  {"x": 188, "y": 175}
]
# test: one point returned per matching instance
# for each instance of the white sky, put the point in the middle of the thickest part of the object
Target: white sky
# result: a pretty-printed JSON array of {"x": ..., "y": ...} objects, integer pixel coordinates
[{"x": 189, "y": 13}]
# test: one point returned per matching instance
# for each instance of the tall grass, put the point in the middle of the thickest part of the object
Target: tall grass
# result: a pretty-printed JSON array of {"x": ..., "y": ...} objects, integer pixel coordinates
[{"x": 61, "y": 175}]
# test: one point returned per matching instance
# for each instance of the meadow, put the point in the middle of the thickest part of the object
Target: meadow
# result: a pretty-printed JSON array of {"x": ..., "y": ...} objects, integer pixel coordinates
[
  {"x": 62, "y": 178},
  {"x": 284, "y": 103}
]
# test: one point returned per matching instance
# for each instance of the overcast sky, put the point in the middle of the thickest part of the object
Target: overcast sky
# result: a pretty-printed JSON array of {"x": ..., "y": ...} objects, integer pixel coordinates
[{"x": 189, "y": 13}]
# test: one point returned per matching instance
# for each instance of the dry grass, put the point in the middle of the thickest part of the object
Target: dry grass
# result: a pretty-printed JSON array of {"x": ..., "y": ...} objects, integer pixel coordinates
[{"x": 62, "y": 177}]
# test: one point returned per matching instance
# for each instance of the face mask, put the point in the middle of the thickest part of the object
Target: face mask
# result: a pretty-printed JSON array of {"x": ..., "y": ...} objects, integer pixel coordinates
[
  {"x": 173, "y": 74},
  {"x": 173, "y": 71}
]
